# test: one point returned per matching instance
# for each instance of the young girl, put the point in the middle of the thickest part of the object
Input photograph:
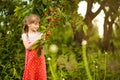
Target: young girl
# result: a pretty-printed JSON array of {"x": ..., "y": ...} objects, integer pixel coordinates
[{"x": 35, "y": 67}]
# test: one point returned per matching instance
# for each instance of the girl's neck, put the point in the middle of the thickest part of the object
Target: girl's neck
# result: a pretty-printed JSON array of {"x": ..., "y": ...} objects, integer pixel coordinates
[{"x": 32, "y": 32}]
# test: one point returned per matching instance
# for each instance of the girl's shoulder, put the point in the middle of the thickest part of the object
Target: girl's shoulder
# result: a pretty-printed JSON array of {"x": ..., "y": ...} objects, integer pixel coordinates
[{"x": 24, "y": 35}]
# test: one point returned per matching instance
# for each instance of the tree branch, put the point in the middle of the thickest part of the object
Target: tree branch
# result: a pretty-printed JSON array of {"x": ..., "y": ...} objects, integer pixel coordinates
[
  {"x": 102, "y": 5},
  {"x": 89, "y": 7}
]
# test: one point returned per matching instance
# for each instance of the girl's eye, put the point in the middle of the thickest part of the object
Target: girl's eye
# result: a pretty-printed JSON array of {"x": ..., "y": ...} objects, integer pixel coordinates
[{"x": 36, "y": 23}]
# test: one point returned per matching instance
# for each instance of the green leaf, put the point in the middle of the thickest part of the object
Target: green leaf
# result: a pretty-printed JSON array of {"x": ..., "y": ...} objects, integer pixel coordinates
[
  {"x": 14, "y": 72},
  {"x": 6, "y": 77},
  {"x": 43, "y": 27},
  {"x": 44, "y": 2},
  {"x": 17, "y": 8},
  {"x": 35, "y": 45}
]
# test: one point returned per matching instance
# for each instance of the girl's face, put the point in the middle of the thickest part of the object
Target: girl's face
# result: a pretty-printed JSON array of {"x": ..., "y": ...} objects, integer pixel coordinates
[{"x": 33, "y": 26}]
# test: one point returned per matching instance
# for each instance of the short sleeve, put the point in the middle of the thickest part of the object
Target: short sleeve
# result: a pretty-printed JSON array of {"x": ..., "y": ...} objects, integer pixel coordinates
[{"x": 23, "y": 35}]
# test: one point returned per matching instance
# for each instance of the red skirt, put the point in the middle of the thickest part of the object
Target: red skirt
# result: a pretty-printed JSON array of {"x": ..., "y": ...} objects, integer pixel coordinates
[{"x": 35, "y": 67}]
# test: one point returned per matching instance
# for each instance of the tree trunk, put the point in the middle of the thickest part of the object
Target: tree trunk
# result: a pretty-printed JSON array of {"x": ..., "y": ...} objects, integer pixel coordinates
[{"x": 110, "y": 17}]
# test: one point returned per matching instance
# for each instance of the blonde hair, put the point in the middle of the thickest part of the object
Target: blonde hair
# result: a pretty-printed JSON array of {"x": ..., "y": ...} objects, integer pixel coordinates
[{"x": 32, "y": 18}]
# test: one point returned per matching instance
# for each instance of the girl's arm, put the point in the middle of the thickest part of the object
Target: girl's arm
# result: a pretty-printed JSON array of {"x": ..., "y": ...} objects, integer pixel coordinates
[{"x": 26, "y": 42}]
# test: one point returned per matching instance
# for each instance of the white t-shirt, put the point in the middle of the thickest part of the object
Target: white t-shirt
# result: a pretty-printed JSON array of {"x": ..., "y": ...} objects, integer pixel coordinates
[{"x": 31, "y": 38}]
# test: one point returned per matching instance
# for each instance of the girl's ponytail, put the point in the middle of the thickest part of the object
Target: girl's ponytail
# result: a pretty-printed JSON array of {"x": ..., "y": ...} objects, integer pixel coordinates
[{"x": 25, "y": 28}]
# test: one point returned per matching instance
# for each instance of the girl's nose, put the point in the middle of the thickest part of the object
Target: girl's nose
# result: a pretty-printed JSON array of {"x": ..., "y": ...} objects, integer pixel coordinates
[{"x": 37, "y": 26}]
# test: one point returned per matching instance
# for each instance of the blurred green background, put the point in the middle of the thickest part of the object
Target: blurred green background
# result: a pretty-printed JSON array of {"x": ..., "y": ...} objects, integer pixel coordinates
[{"x": 74, "y": 51}]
